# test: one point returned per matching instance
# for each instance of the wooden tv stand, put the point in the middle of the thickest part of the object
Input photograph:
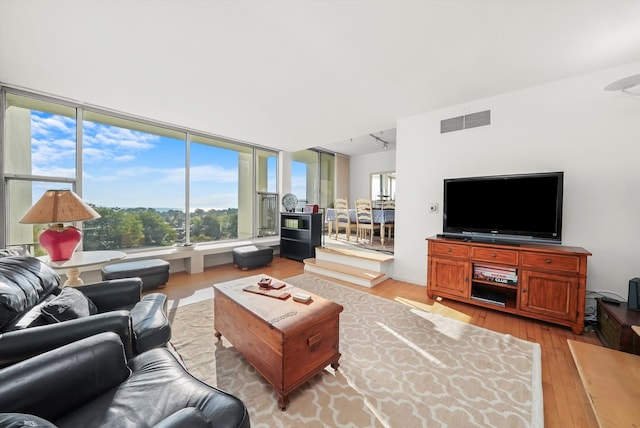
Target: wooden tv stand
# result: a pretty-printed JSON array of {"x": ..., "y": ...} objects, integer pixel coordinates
[{"x": 545, "y": 282}]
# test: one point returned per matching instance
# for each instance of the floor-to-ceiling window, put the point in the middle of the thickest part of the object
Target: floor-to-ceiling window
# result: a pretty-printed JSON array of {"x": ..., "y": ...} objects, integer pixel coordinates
[
  {"x": 153, "y": 184},
  {"x": 267, "y": 193},
  {"x": 133, "y": 174},
  {"x": 327, "y": 179},
  {"x": 39, "y": 154},
  {"x": 313, "y": 177},
  {"x": 221, "y": 190}
]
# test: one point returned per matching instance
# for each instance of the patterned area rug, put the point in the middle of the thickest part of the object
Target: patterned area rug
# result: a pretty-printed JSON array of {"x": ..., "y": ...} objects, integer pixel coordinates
[{"x": 400, "y": 367}]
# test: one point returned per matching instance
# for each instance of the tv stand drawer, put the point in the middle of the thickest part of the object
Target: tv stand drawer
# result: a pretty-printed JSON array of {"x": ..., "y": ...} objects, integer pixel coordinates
[
  {"x": 551, "y": 262},
  {"x": 494, "y": 255},
  {"x": 450, "y": 250}
]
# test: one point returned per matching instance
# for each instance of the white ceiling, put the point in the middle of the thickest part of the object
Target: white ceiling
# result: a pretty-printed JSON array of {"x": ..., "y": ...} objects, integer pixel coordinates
[{"x": 300, "y": 74}]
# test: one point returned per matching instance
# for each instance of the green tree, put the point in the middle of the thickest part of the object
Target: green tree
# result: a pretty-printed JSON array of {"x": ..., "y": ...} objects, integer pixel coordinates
[
  {"x": 205, "y": 228},
  {"x": 156, "y": 231},
  {"x": 114, "y": 229},
  {"x": 229, "y": 227}
]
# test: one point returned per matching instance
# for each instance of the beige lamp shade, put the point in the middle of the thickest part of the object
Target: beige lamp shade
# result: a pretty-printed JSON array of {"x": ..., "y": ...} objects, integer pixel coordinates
[{"x": 59, "y": 206}]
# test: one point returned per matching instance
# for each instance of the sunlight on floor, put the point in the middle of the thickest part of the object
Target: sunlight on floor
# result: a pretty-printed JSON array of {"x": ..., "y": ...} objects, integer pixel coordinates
[
  {"x": 435, "y": 308},
  {"x": 432, "y": 359}
]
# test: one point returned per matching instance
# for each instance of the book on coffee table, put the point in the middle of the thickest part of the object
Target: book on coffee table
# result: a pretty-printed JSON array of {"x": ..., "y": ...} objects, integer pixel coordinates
[{"x": 269, "y": 292}]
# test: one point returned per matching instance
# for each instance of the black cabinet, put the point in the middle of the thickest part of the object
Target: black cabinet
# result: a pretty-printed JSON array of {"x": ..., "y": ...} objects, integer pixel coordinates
[{"x": 300, "y": 234}]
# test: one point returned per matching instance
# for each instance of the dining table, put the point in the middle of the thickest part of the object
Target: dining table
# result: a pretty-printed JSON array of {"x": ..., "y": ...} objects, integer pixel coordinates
[{"x": 380, "y": 216}]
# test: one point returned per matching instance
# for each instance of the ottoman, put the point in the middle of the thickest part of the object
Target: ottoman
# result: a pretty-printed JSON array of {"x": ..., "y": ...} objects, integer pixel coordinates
[
  {"x": 252, "y": 256},
  {"x": 153, "y": 272}
]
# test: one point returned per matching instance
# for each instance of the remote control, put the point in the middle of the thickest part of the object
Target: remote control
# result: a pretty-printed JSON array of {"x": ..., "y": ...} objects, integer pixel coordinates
[{"x": 610, "y": 300}]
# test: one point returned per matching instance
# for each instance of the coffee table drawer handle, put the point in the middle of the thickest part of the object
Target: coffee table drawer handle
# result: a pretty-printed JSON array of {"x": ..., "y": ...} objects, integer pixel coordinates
[{"x": 314, "y": 340}]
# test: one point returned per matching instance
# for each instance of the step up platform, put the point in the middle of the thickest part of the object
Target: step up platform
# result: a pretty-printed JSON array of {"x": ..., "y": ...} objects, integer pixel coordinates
[{"x": 364, "y": 268}]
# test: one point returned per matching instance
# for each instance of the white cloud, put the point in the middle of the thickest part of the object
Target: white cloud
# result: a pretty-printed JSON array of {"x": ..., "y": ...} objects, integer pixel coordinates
[
  {"x": 52, "y": 125},
  {"x": 124, "y": 158},
  {"x": 54, "y": 171},
  {"x": 213, "y": 173},
  {"x": 121, "y": 139}
]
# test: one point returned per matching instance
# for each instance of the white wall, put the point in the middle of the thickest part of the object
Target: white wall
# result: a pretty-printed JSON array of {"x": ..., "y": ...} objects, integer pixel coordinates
[
  {"x": 362, "y": 166},
  {"x": 571, "y": 125}
]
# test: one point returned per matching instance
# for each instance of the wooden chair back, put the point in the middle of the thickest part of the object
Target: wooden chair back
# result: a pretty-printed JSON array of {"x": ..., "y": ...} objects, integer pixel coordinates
[
  {"x": 342, "y": 216},
  {"x": 364, "y": 219}
]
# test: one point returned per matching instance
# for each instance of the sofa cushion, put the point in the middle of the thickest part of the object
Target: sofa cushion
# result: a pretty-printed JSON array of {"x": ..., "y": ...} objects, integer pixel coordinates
[
  {"x": 32, "y": 318},
  {"x": 158, "y": 387},
  {"x": 24, "y": 282},
  {"x": 68, "y": 305},
  {"x": 23, "y": 420},
  {"x": 187, "y": 417}
]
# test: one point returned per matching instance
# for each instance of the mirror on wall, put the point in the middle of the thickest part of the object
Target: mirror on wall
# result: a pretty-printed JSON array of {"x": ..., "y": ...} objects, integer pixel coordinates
[{"x": 383, "y": 186}]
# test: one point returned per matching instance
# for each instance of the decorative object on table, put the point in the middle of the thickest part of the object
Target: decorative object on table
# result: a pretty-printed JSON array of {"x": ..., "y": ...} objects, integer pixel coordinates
[
  {"x": 289, "y": 202},
  {"x": 310, "y": 208},
  {"x": 265, "y": 282},
  {"x": 56, "y": 207}
]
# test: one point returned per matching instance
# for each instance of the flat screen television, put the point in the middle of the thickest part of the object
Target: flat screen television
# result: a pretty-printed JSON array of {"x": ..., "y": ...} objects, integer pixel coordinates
[{"x": 511, "y": 208}]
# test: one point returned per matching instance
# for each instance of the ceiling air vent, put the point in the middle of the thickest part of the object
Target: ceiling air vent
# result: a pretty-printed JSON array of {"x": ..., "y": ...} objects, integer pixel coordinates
[
  {"x": 453, "y": 124},
  {"x": 459, "y": 123}
]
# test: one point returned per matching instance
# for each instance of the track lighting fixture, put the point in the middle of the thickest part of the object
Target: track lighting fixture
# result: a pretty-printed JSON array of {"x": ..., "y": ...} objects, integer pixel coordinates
[{"x": 385, "y": 145}]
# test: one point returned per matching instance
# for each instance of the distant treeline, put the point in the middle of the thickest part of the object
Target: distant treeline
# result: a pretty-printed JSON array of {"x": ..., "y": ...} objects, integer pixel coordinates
[{"x": 119, "y": 228}]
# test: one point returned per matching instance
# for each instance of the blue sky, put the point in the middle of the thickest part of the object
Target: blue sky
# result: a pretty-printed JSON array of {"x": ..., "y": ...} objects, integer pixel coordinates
[{"x": 125, "y": 168}]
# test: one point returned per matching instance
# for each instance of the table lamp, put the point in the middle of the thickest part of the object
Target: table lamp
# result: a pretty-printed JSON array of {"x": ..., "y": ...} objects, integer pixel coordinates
[{"x": 56, "y": 207}]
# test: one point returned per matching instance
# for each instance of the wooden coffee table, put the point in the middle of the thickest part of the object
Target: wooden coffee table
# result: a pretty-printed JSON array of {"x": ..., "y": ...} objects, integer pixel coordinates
[{"x": 285, "y": 341}]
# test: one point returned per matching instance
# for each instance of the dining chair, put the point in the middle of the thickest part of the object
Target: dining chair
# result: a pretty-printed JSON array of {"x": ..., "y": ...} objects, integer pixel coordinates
[
  {"x": 364, "y": 219},
  {"x": 342, "y": 217},
  {"x": 388, "y": 205}
]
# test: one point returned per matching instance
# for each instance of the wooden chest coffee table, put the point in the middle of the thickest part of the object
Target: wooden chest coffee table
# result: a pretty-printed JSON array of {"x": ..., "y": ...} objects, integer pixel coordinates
[{"x": 285, "y": 341}]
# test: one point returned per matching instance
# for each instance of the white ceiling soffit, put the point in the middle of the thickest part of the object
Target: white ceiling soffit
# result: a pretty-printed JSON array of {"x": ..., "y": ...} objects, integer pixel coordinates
[
  {"x": 299, "y": 74},
  {"x": 374, "y": 142}
]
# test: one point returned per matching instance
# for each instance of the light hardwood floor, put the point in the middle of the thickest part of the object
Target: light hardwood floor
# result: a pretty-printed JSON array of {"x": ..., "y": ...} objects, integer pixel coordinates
[{"x": 565, "y": 400}]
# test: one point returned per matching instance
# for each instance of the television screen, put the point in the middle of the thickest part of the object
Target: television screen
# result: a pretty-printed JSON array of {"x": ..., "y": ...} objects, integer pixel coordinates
[{"x": 525, "y": 207}]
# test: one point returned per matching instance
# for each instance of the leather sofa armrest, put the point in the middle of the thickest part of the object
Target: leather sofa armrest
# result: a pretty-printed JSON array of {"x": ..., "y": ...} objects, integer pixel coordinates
[
  {"x": 19, "y": 345},
  {"x": 189, "y": 417},
  {"x": 151, "y": 326},
  {"x": 52, "y": 384},
  {"x": 114, "y": 294}
]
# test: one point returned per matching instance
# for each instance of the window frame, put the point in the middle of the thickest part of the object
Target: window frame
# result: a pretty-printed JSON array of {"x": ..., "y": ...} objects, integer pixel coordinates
[{"x": 83, "y": 110}]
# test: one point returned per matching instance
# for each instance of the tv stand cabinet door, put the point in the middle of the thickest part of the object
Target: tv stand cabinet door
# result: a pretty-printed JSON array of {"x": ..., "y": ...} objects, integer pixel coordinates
[
  {"x": 448, "y": 277},
  {"x": 552, "y": 296}
]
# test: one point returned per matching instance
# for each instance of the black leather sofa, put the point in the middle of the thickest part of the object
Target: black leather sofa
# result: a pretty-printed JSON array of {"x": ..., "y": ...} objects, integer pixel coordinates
[
  {"x": 90, "y": 383},
  {"x": 37, "y": 314}
]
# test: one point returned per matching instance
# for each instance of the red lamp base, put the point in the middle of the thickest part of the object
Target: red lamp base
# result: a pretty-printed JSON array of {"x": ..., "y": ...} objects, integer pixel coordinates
[{"x": 60, "y": 242}]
